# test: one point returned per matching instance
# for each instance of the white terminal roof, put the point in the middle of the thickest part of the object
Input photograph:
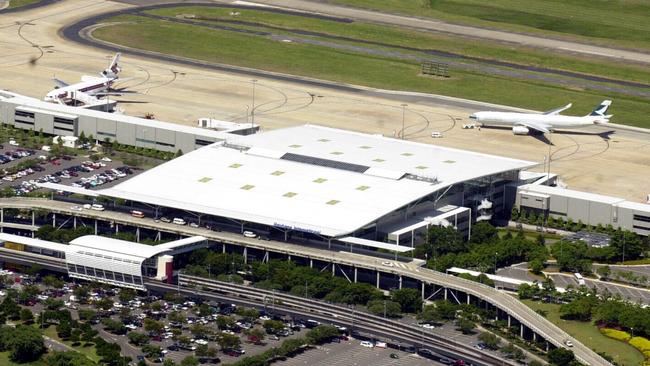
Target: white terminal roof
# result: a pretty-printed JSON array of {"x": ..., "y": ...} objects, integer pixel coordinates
[
  {"x": 354, "y": 179},
  {"x": 115, "y": 248},
  {"x": 563, "y": 192}
]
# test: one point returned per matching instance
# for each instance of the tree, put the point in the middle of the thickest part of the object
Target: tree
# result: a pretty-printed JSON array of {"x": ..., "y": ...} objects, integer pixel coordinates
[
  {"x": 466, "y": 326},
  {"x": 190, "y": 361},
  {"x": 484, "y": 233},
  {"x": 228, "y": 341},
  {"x": 138, "y": 339},
  {"x": 178, "y": 317},
  {"x": 322, "y": 333},
  {"x": 104, "y": 304},
  {"x": 127, "y": 295},
  {"x": 536, "y": 265},
  {"x": 409, "y": 299},
  {"x": 26, "y": 344},
  {"x": 273, "y": 326},
  {"x": 9, "y": 308},
  {"x": 604, "y": 272},
  {"x": 255, "y": 335},
  {"x": 200, "y": 330},
  {"x": 560, "y": 357},
  {"x": 578, "y": 309},
  {"x": 64, "y": 329},
  {"x": 491, "y": 340},
  {"x": 151, "y": 351},
  {"x": 26, "y": 315},
  {"x": 86, "y": 314},
  {"x": 205, "y": 351},
  {"x": 169, "y": 362},
  {"x": 52, "y": 282},
  {"x": 391, "y": 309},
  {"x": 151, "y": 325}
]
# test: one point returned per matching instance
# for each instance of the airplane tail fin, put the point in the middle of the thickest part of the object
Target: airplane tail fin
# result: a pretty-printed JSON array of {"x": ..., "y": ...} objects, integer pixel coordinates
[
  {"x": 601, "y": 109},
  {"x": 113, "y": 69}
]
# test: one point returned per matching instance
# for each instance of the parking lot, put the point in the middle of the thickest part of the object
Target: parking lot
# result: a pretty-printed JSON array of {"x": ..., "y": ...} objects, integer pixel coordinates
[
  {"x": 626, "y": 292},
  {"x": 78, "y": 171},
  {"x": 351, "y": 353}
]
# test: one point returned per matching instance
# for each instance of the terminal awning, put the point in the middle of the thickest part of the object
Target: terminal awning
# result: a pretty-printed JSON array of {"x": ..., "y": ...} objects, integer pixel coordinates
[
  {"x": 376, "y": 244},
  {"x": 71, "y": 189}
]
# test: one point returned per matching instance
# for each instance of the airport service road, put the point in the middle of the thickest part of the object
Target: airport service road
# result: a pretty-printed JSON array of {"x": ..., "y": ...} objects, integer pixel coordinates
[
  {"x": 180, "y": 93},
  {"x": 468, "y": 31},
  {"x": 625, "y": 291}
]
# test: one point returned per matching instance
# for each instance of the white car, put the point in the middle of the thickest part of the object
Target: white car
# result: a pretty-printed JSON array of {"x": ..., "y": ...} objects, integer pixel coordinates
[
  {"x": 202, "y": 342},
  {"x": 568, "y": 343},
  {"x": 367, "y": 344},
  {"x": 106, "y": 159},
  {"x": 436, "y": 135},
  {"x": 381, "y": 344},
  {"x": 387, "y": 264},
  {"x": 131, "y": 326},
  {"x": 227, "y": 331},
  {"x": 2, "y": 293},
  {"x": 427, "y": 326},
  {"x": 249, "y": 234},
  {"x": 265, "y": 317},
  {"x": 76, "y": 208}
]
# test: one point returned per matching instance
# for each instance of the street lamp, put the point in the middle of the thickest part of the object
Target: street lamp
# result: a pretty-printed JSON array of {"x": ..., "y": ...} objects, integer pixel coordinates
[
  {"x": 403, "y": 114},
  {"x": 254, "y": 81}
]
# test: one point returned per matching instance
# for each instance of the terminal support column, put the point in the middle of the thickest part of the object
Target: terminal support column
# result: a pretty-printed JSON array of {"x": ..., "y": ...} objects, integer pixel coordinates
[
  {"x": 2, "y": 220},
  {"x": 377, "y": 279},
  {"x": 245, "y": 255},
  {"x": 400, "y": 282},
  {"x": 95, "y": 226},
  {"x": 74, "y": 222},
  {"x": 33, "y": 218},
  {"x": 355, "y": 274},
  {"x": 54, "y": 221},
  {"x": 137, "y": 234}
]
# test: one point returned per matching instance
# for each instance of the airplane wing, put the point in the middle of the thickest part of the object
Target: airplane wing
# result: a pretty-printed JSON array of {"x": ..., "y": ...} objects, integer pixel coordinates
[
  {"x": 58, "y": 83},
  {"x": 558, "y": 110},
  {"x": 535, "y": 126}
]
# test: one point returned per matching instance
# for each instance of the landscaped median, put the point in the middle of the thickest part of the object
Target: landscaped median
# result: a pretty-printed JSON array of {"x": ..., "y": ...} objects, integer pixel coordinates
[{"x": 640, "y": 343}]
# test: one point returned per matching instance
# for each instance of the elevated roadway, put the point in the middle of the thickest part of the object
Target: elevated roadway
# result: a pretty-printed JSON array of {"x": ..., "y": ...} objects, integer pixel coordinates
[{"x": 501, "y": 300}]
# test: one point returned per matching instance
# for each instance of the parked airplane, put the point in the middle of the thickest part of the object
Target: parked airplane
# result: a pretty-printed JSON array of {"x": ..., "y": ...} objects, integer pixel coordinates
[
  {"x": 88, "y": 91},
  {"x": 524, "y": 123}
]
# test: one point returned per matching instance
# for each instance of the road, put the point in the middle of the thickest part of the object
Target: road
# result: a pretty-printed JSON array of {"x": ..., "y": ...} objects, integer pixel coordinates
[
  {"x": 433, "y": 25},
  {"x": 504, "y": 301}
]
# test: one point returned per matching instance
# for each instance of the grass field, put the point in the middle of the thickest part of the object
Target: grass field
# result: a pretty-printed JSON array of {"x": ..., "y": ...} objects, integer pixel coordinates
[
  {"x": 19, "y": 3},
  {"x": 5, "y": 361},
  {"x": 345, "y": 66},
  {"x": 616, "y": 22},
  {"x": 418, "y": 40},
  {"x": 587, "y": 333}
]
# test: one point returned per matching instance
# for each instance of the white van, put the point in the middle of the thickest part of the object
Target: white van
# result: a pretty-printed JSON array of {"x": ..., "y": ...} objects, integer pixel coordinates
[
  {"x": 580, "y": 279},
  {"x": 97, "y": 207},
  {"x": 436, "y": 135},
  {"x": 249, "y": 234},
  {"x": 178, "y": 221}
]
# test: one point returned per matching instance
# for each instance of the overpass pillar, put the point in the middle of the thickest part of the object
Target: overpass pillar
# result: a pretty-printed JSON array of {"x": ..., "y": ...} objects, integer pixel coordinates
[
  {"x": 521, "y": 331},
  {"x": 509, "y": 321},
  {"x": 311, "y": 263},
  {"x": 223, "y": 248},
  {"x": 548, "y": 347},
  {"x": 137, "y": 234},
  {"x": 422, "y": 290},
  {"x": 377, "y": 279},
  {"x": 2, "y": 220},
  {"x": 288, "y": 257},
  {"x": 355, "y": 274},
  {"x": 286, "y": 235},
  {"x": 54, "y": 222},
  {"x": 74, "y": 222},
  {"x": 33, "y": 218},
  {"x": 468, "y": 298},
  {"x": 446, "y": 294},
  {"x": 400, "y": 282},
  {"x": 117, "y": 228},
  {"x": 95, "y": 226},
  {"x": 333, "y": 269},
  {"x": 245, "y": 255},
  {"x": 534, "y": 337}
]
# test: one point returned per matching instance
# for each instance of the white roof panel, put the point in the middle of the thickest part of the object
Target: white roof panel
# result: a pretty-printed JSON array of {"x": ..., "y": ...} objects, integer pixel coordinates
[
  {"x": 376, "y": 244},
  {"x": 563, "y": 192},
  {"x": 115, "y": 247},
  {"x": 35, "y": 243}
]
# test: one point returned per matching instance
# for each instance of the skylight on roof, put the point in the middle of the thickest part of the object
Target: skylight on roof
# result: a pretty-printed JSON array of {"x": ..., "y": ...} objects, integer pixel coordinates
[
  {"x": 295, "y": 146},
  {"x": 320, "y": 180},
  {"x": 362, "y": 188},
  {"x": 277, "y": 173},
  {"x": 336, "y": 153},
  {"x": 421, "y": 167},
  {"x": 449, "y": 161},
  {"x": 407, "y": 154},
  {"x": 289, "y": 194},
  {"x": 235, "y": 165},
  {"x": 365, "y": 147},
  {"x": 247, "y": 187},
  {"x": 324, "y": 140},
  {"x": 332, "y": 202},
  {"x": 205, "y": 180},
  {"x": 378, "y": 160}
]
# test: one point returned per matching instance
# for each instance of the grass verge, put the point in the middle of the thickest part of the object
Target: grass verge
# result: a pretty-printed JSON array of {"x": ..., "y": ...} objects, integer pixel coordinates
[
  {"x": 349, "y": 67},
  {"x": 88, "y": 351},
  {"x": 588, "y": 334},
  {"x": 612, "y": 23},
  {"x": 19, "y": 3},
  {"x": 5, "y": 361}
]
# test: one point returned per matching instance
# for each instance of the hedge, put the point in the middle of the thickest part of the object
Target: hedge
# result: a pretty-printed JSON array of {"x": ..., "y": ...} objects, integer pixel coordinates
[{"x": 616, "y": 334}]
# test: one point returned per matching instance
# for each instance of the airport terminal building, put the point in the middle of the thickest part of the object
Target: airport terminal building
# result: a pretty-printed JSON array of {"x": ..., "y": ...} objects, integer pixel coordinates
[{"x": 317, "y": 183}]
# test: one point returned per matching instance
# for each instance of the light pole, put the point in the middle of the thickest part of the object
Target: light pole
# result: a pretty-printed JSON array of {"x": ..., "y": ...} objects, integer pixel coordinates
[
  {"x": 495, "y": 262},
  {"x": 254, "y": 81},
  {"x": 403, "y": 115}
]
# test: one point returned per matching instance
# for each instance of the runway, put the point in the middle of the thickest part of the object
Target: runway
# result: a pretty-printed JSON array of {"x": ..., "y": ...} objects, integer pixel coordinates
[{"x": 182, "y": 92}]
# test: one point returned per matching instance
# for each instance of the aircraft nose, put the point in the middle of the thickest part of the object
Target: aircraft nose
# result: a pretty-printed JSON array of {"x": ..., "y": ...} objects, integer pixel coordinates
[{"x": 473, "y": 116}]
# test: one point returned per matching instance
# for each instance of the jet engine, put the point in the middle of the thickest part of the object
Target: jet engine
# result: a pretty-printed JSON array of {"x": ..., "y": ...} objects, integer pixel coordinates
[{"x": 520, "y": 130}]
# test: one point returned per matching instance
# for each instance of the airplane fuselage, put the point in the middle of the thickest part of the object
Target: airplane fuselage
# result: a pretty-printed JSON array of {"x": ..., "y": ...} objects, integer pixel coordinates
[
  {"x": 90, "y": 87},
  {"x": 509, "y": 119}
]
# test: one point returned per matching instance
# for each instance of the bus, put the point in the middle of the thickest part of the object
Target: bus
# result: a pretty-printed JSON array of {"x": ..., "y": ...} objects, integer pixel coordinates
[{"x": 580, "y": 279}]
